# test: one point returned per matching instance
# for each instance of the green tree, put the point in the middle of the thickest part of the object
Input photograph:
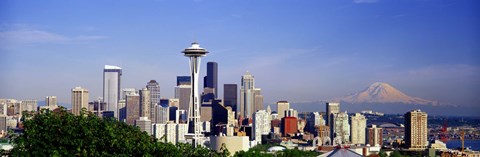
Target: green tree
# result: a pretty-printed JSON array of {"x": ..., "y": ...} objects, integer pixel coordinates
[{"x": 60, "y": 133}]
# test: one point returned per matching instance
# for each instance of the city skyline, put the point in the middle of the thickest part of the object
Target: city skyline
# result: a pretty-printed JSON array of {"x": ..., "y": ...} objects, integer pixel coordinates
[{"x": 411, "y": 45}]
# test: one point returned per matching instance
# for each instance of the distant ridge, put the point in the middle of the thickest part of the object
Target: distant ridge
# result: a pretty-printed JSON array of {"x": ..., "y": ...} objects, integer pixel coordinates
[{"x": 383, "y": 93}]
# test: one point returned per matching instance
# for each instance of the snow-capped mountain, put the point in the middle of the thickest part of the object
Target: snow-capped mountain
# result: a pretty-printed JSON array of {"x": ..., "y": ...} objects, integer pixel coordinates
[{"x": 380, "y": 92}]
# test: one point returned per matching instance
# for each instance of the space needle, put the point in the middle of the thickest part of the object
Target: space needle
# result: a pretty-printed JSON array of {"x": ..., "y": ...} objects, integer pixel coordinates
[{"x": 194, "y": 52}]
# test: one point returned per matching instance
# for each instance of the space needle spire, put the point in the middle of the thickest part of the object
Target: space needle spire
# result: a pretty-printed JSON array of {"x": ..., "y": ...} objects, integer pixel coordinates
[{"x": 194, "y": 52}]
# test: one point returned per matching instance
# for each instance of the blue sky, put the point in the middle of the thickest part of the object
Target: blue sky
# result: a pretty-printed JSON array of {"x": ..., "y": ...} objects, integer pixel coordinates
[{"x": 297, "y": 50}]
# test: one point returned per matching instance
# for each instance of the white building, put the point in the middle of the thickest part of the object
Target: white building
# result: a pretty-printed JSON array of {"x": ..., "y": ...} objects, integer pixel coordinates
[
  {"x": 247, "y": 96},
  {"x": 144, "y": 124},
  {"x": 111, "y": 87},
  {"x": 341, "y": 132},
  {"x": 282, "y": 106},
  {"x": 154, "y": 89},
  {"x": 51, "y": 101},
  {"x": 358, "y": 127},
  {"x": 261, "y": 125},
  {"x": 79, "y": 100},
  {"x": 145, "y": 103},
  {"x": 232, "y": 143},
  {"x": 28, "y": 105},
  {"x": 182, "y": 129},
  {"x": 162, "y": 114},
  {"x": 158, "y": 131},
  {"x": 182, "y": 93},
  {"x": 170, "y": 132},
  {"x": 416, "y": 131}
]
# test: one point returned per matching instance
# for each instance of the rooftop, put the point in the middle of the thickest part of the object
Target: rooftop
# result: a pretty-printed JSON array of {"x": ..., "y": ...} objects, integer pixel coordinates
[{"x": 112, "y": 67}]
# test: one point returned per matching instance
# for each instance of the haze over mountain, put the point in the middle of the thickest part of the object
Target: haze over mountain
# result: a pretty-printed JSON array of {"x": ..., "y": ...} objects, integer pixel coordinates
[{"x": 383, "y": 93}]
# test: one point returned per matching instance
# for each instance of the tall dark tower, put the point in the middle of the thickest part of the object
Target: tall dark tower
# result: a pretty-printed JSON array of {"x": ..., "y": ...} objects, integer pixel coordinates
[
  {"x": 211, "y": 80},
  {"x": 230, "y": 96}
]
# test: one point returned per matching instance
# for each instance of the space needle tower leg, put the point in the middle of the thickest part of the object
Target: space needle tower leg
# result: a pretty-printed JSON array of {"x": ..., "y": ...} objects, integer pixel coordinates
[{"x": 194, "y": 53}]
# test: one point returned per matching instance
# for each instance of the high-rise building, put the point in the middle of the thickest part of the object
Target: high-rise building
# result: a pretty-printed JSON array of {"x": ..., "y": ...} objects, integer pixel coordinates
[
  {"x": 332, "y": 108},
  {"x": 219, "y": 115},
  {"x": 97, "y": 107},
  {"x": 132, "y": 107},
  {"x": 247, "y": 95},
  {"x": 181, "y": 131},
  {"x": 194, "y": 53},
  {"x": 3, "y": 123},
  {"x": 282, "y": 106},
  {"x": 171, "y": 132},
  {"x": 122, "y": 110},
  {"x": 111, "y": 87},
  {"x": 341, "y": 128},
  {"x": 162, "y": 113},
  {"x": 230, "y": 96},
  {"x": 258, "y": 100},
  {"x": 144, "y": 124},
  {"x": 28, "y": 105},
  {"x": 358, "y": 127},
  {"x": 182, "y": 93},
  {"x": 208, "y": 94},
  {"x": 184, "y": 80},
  {"x": 315, "y": 120},
  {"x": 206, "y": 111},
  {"x": 374, "y": 136},
  {"x": 261, "y": 125},
  {"x": 416, "y": 131},
  {"x": 145, "y": 103},
  {"x": 51, "y": 101},
  {"x": 172, "y": 111},
  {"x": 211, "y": 80},
  {"x": 79, "y": 100},
  {"x": 289, "y": 126},
  {"x": 154, "y": 89}
]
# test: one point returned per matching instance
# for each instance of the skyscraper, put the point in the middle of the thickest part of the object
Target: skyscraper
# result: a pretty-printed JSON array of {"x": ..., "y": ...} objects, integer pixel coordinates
[
  {"x": 145, "y": 103},
  {"x": 132, "y": 107},
  {"x": 258, "y": 102},
  {"x": 261, "y": 125},
  {"x": 144, "y": 124},
  {"x": 332, "y": 110},
  {"x": 247, "y": 95},
  {"x": 219, "y": 115},
  {"x": 211, "y": 80},
  {"x": 162, "y": 112},
  {"x": 194, "y": 53},
  {"x": 79, "y": 100},
  {"x": 416, "y": 131},
  {"x": 28, "y": 105},
  {"x": 358, "y": 127},
  {"x": 154, "y": 89},
  {"x": 341, "y": 128},
  {"x": 111, "y": 87},
  {"x": 51, "y": 101},
  {"x": 282, "y": 106},
  {"x": 182, "y": 93},
  {"x": 230, "y": 96},
  {"x": 374, "y": 136}
]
